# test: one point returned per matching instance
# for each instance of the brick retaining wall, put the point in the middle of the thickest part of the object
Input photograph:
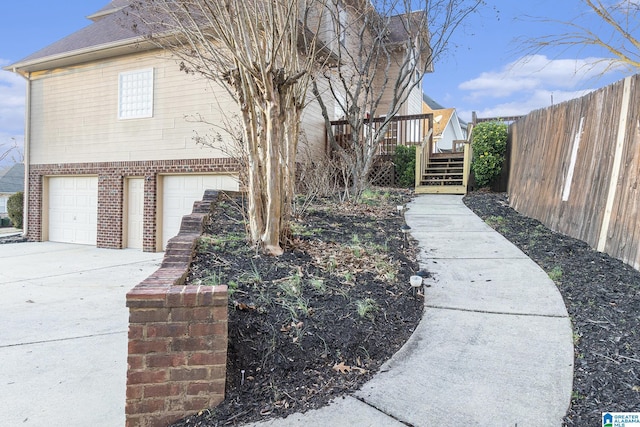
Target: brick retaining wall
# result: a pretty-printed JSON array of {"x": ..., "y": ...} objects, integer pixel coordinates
[{"x": 177, "y": 336}]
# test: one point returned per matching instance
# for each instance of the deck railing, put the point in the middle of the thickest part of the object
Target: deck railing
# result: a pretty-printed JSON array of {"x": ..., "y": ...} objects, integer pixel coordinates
[{"x": 400, "y": 130}]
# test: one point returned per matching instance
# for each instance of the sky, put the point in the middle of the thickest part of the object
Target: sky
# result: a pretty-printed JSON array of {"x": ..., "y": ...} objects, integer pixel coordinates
[{"x": 486, "y": 69}]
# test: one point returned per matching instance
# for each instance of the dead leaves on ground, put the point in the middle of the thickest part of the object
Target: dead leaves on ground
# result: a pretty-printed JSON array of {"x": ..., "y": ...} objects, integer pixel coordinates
[
  {"x": 347, "y": 261},
  {"x": 345, "y": 369}
]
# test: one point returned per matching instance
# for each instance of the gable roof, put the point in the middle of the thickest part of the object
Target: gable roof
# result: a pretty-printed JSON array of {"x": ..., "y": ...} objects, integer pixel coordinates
[
  {"x": 398, "y": 31},
  {"x": 114, "y": 6},
  {"x": 106, "y": 36},
  {"x": 12, "y": 179},
  {"x": 441, "y": 119}
]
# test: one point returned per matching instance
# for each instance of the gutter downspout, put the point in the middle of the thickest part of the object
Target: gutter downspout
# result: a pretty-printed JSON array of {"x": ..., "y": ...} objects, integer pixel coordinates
[{"x": 26, "y": 148}]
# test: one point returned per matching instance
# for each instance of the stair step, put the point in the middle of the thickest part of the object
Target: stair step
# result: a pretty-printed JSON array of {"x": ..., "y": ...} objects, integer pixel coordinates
[
  {"x": 444, "y": 166},
  {"x": 442, "y": 175},
  {"x": 432, "y": 162},
  {"x": 436, "y": 170},
  {"x": 441, "y": 182}
]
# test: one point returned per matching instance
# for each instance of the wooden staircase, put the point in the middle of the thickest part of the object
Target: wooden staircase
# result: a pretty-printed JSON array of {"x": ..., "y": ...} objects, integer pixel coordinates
[
  {"x": 444, "y": 173},
  {"x": 444, "y": 170}
]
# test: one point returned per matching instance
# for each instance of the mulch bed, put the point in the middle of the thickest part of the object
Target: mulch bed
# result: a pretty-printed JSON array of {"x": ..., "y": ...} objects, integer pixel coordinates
[
  {"x": 317, "y": 322},
  {"x": 602, "y": 296}
]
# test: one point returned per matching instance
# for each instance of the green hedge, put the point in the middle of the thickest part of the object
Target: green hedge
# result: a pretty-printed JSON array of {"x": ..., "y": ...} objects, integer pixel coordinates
[
  {"x": 14, "y": 209},
  {"x": 404, "y": 160},
  {"x": 489, "y": 146}
]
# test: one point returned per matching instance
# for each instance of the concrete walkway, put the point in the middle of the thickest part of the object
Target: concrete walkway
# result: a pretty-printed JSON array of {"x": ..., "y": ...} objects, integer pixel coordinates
[
  {"x": 63, "y": 332},
  {"x": 494, "y": 347}
]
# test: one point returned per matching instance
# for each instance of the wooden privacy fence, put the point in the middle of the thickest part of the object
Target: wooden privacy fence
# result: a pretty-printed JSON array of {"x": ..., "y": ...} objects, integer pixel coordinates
[{"x": 575, "y": 167}]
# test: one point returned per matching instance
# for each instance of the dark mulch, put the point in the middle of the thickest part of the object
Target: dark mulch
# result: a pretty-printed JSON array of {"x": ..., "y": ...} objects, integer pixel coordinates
[
  {"x": 317, "y": 322},
  {"x": 602, "y": 296}
]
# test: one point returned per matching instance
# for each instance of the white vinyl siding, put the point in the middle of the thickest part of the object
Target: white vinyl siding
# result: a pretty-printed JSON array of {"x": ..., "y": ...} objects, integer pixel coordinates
[
  {"x": 135, "y": 94},
  {"x": 343, "y": 20},
  {"x": 414, "y": 101},
  {"x": 70, "y": 127}
]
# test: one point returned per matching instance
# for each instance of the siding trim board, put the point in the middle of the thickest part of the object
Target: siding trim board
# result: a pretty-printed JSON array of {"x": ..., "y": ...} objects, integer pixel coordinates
[{"x": 112, "y": 177}]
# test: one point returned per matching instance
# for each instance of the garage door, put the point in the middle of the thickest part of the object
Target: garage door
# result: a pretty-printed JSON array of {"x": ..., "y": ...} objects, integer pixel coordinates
[
  {"x": 179, "y": 193},
  {"x": 73, "y": 209}
]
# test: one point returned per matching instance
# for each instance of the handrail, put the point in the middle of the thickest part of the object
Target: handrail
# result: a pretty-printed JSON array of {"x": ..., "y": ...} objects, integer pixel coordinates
[{"x": 422, "y": 157}]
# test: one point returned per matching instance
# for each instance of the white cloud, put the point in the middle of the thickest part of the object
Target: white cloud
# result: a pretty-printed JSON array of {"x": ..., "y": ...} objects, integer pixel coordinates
[
  {"x": 533, "y": 73},
  {"x": 12, "y": 102},
  {"x": 530, "y": 83},
  {"x": 540, "y": 98}
]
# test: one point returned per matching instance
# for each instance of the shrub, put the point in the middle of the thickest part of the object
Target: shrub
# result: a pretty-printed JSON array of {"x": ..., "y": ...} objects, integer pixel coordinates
[
  {"x": 489, "y": 146},
  {"x": 404, "y": 160},
  {"x": 14, "y": 209}
]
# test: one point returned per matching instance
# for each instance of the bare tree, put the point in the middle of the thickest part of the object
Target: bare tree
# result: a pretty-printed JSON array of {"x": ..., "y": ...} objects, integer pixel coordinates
[
  {"x": 263, "y": 52},
  {"x": 383, "y": 49},
  {"x": 12, "y": 151},
  {"x": 618, "y": 33}
]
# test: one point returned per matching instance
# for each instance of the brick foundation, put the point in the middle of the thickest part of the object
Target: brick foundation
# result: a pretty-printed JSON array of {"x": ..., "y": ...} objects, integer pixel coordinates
[
  {"x": 177, "y": 336},
  {"x": 111, "y": 181}
]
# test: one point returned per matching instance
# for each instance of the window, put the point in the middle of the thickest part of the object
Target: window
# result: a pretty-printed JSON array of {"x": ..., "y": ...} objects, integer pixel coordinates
[{"x": 135, "y": 100}]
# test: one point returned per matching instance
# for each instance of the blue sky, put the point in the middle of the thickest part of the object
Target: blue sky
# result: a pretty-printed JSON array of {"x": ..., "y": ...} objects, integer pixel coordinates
[{"x": 484, "y": 72}]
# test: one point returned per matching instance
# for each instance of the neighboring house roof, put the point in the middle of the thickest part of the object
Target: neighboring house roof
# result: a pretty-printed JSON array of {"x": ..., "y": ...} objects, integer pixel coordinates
[
  {"x": 441, "y": 119},
  {"x": 431, "y": 103},
  {"x": 434, "y": 105},
  {"x": 12, "y": 179}
]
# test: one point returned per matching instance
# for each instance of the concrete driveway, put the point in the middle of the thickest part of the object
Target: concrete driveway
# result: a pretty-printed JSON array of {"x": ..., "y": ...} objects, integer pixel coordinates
[{"x": 63, "y": 332}]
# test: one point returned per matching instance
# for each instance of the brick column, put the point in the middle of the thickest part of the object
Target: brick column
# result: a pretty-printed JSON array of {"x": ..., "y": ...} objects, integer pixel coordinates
[
  {"x": 110, "y": 207},
  {"x": 177, "y": 349},
  {"x": 150, "y": 202}
]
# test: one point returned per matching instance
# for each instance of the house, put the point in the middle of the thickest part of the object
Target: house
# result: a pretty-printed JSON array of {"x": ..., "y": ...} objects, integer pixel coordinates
[
  {"x": 110, "y": 150},
  {"x": 11, "y": 182},
  {"x": 447, "y": 127}
]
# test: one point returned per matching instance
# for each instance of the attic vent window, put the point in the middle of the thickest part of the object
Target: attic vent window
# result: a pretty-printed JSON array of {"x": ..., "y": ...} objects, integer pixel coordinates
[{"x": 135, "y": 100}]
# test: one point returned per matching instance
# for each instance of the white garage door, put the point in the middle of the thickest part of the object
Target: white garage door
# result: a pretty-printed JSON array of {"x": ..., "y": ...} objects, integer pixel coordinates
[
  {"x": 179, "y": 193},
  {"x": 73, "y": 209}
]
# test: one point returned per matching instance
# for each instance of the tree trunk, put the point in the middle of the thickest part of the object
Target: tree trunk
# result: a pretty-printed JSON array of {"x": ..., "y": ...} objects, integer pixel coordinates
[{"x": 273, "y": 175}]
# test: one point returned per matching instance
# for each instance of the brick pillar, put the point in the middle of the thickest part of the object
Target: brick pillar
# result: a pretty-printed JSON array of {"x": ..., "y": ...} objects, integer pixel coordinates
[
  {"x": 110, "y": 208},
  {"x": 150, "y": 203},
  {"x": 177, "y": 349},
  {"x": 34, "y": 215}
]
